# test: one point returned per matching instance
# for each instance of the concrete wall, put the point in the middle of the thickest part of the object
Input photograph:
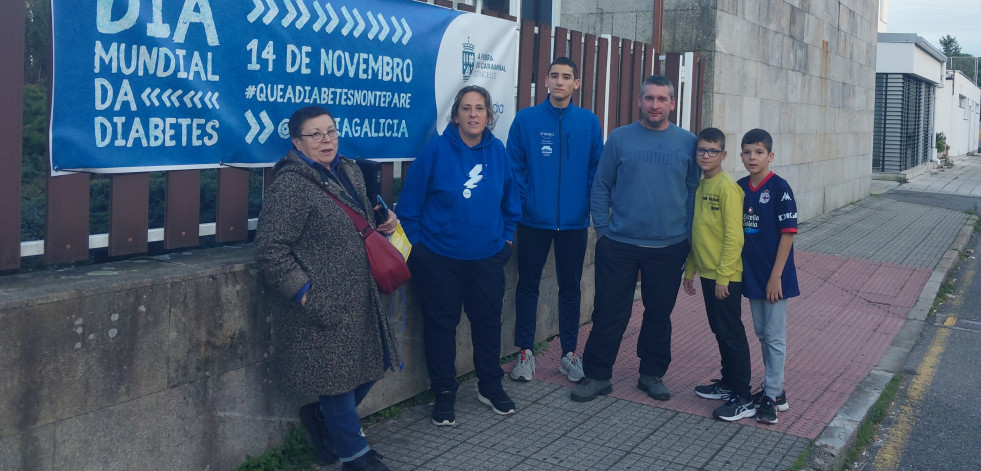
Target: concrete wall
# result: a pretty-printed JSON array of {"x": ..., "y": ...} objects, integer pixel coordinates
[
  {"x": 957, "y": 113},
  {"x": 883, "y": 11},
  {"x": 168, "y": 363},
  {"x": 908, "y": 58},
  {"x": 803, "y": 71}
]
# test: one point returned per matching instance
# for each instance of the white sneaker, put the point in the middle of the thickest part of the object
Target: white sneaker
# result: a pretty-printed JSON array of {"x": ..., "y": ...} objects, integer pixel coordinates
[
  {"x": 571, "y": 367},
  {"x": 525, "y": 367}
]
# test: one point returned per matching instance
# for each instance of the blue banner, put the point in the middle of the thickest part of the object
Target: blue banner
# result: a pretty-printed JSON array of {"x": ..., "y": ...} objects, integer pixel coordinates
[{"x": 158, "y": 84}]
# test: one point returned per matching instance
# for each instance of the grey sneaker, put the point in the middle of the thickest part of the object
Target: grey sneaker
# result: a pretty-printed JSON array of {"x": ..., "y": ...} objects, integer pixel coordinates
[
  {"x": 525, "y": 367},
  {"x": 571, "y": 367},
  {"x": 654, "y": 387},
  {"x": 588, "y": 389}
]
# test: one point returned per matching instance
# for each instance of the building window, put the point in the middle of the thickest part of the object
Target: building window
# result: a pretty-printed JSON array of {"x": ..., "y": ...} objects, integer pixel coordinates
[
  {"x": 903, "y": 128},
  {"x": 539, "y": 11},
  {"x": 503, "y": 6}
]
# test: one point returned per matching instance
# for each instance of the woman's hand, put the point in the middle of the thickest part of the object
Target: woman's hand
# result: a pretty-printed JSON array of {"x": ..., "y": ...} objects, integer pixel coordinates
[{"x": 388, "y": 227}]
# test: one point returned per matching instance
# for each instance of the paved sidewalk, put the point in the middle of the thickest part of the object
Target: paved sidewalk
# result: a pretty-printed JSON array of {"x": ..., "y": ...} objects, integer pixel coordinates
[{"x": 865, "y": 270}]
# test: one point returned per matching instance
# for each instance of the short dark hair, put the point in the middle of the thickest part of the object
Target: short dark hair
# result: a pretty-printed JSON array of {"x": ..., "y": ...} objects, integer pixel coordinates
[
  {"x": 565, "y": 61},
  {"x": 302, "y": 115},
  {"x": 657, "y": 80},
  {"x": 757, "y": 135},
  {"x": 491, "y": 117},
  {"x": 713, "y": 135}
]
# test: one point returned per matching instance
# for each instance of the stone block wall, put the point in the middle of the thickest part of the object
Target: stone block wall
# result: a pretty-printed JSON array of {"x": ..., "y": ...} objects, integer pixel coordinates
[
  {"x": 168, "y": 363},
  {"x": 630, "y": 19},
  {"x": 802, "y": 70}
]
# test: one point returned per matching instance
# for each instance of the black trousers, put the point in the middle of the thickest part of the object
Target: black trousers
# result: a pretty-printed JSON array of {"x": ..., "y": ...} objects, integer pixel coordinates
[
  {"x": 444, "y": 285},
  {"x": 616, "y": 269},
  {"x": 533, "y": 248},
  {"x": 725, "y": 320}
]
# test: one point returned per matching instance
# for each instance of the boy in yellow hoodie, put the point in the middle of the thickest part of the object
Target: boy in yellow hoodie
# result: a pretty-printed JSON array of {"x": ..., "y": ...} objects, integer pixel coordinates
[{"x": 716, "y": 256}]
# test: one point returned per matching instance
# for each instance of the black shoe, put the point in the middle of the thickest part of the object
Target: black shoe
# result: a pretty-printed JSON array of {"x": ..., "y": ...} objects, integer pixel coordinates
[
  {"x": 735, "y": 408},
  {"x": 716, "y": 390},
  {"x": 654, "y": 387},
  {"x": 313, "y": 421},
  {"x": 499, "y": 402},
  {"x": 780, "y": 402},
  {"x": 443, "y": 413},
  {"x": 370, "y": 461},
  {"x": 766, "y": 411},
  {"x": 589, "y": 388}
]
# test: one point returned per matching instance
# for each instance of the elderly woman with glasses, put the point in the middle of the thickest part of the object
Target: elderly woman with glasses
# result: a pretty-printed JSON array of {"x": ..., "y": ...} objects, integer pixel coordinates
[{"x": 332, "y": 337}]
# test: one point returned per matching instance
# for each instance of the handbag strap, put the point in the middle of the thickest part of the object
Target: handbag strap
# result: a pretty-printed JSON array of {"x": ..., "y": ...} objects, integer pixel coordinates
[{"x": 360, "y": 223}]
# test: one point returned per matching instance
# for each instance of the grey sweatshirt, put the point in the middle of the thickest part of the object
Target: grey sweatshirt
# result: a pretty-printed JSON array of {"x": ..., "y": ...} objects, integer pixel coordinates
[{"x": 644, "y": 190}]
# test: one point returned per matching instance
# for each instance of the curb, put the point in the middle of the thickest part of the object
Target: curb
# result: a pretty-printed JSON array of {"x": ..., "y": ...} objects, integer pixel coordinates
[{"x": 839, "y": 435}]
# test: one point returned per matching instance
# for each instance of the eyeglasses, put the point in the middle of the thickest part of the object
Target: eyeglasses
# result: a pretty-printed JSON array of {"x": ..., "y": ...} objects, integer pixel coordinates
[
  {"x": 711, "y": 152},
  {"x": 322, "y": 136}
]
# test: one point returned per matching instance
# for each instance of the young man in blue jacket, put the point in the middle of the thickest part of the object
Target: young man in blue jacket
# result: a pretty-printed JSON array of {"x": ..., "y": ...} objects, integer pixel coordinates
[{"x": 554, "y": 148}]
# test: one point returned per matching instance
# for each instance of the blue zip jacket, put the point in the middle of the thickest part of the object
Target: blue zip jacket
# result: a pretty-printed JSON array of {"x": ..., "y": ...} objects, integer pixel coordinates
[
  {"x": 554, "y": 153},
  {"x": 460, "y": 202}
]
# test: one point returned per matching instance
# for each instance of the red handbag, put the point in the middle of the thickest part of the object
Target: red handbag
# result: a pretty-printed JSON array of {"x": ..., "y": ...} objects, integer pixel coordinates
[{"x": 387, "y": 264}]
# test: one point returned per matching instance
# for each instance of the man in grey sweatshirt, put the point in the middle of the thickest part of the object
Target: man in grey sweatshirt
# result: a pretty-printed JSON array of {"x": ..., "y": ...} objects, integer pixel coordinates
[{"x": 642, "y": 203}]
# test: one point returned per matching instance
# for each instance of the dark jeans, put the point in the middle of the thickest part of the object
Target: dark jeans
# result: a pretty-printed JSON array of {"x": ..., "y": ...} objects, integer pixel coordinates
[
  {"x": 724, "y": 317},
  {"x": 533, "y": 248},
  {"x": 616, "y": 269},
  {"x": 343, "y": 422},
  {"x": 444, "y": 285}
]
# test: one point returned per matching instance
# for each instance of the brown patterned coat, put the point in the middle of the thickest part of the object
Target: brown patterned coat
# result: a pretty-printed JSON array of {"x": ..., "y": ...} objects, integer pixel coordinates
[{"x": 340, "y": 338}]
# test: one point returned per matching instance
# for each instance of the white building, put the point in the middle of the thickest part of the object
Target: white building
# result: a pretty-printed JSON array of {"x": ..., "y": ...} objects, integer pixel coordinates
[
  {"x": 908, "y": 70},
  {"x": 958, "y": 112},
  {"x": 917, "y": 97}
]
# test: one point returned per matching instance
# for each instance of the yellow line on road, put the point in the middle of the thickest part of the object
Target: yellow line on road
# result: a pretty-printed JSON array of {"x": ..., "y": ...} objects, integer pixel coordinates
[{"x": 891, "y": 453}]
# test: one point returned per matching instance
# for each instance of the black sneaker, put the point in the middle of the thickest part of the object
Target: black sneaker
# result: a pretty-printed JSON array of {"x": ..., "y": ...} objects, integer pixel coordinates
[
  {"x": 443, "y": 413},
  {"x": 499, "y": 402},
  {"x": 716, "y": 390},
  {"x": 766, "y": 411},
  {"x": 313, "y": 421},
  {"x": 370, "y": 461},
  {"x": 779, "y": 402},
  {"x": 735, "y": 408}
]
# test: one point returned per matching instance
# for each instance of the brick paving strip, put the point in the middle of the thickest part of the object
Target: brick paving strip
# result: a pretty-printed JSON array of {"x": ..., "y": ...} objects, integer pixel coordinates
[{"x": 861, "y": 269}]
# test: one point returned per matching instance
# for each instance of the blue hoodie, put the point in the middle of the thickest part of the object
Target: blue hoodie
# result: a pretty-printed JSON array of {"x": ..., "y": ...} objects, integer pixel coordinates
[
  {"x": 554, "y": 153},
  {"x": 460, "y": 202}
]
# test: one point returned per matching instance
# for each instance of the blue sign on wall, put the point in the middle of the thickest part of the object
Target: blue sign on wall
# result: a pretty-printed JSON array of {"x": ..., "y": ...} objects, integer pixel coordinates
[{"x": 167, "y": 84}]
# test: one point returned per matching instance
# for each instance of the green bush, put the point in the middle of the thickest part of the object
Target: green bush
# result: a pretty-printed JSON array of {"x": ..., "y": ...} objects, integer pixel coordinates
[{"x": 296, "y": 453}]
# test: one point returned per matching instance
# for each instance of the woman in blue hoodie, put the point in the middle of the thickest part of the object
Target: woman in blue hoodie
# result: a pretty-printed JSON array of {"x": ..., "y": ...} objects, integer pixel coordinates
[{"x": 459, "y": 207}]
